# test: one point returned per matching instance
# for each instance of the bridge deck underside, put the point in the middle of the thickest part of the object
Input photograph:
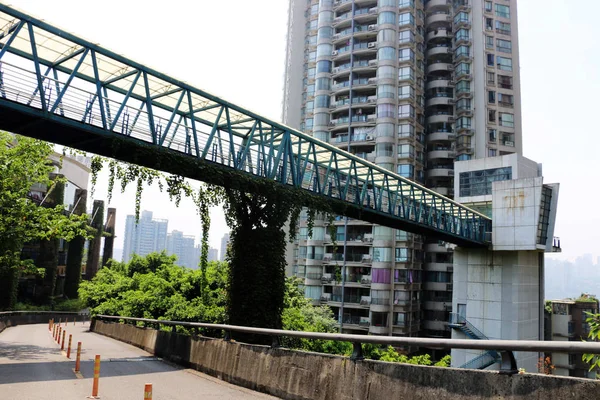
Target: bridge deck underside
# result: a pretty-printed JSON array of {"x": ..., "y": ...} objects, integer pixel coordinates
[{"x": 60, "y": 88}]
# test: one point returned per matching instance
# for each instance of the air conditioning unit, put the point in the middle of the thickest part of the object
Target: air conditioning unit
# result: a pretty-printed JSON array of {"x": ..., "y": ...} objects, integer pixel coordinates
[
  {"x": 334, "y": 53},
  {"x": 372, "y": 45},
  {"x": 370, "y": 137},
  {"x": 372, "y": 27}
]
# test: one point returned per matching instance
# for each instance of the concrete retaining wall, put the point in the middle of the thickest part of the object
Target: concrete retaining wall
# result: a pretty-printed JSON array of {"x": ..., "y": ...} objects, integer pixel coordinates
[
  {"x": 300, "y": 375},
  {"x": 37, "y": 318}
]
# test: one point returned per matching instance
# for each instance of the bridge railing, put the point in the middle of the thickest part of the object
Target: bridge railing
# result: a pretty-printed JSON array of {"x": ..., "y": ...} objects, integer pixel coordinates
[
  {"x": 92, "y": 97},
  {"x": 504, "y": 347}
]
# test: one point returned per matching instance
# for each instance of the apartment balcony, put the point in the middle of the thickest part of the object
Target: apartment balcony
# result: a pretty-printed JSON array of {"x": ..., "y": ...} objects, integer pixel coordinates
[
  {"x": 438, "y": 286},
  {"x": 446, "y": 118},
  {"x": 438, "y": 83},
  {"x": 357, "y": 102},
  {"x": 439, "y": 34},
  {"x": 444, "y": 191},
  {"x": 438, "y": 50},
  {"x": 313, "y": 279},
  {"x": 440, "y": 137},
  {"x": 438, "y": 19},
  {"x": 357, "y": 84},
  {"x": 379, "y": 330},
  {"x": 464, "y": 95},
  {"x": 440, "y": 154},
  {"x": 440, "y": 67},
  {"x": 440, "y": 267},
  {"x": 357, "y": 120},
  {"x": 380, "y": 305},
  {"x": 464, "y": 111},
  {"x": 361, "y": 32},
  {"x": 439, "y": 172},
  {"x": 356, "y": 322},
  {"x": 434, "y": 5},
  {"x": 437, "y": 247},
  {"x": 439, "y": 101},
  {"x": 362, "y": 66}
]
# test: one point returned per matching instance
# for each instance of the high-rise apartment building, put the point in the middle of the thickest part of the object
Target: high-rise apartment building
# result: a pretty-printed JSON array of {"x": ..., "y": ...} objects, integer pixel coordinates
[
  {"x": 184, "y": 247},
  {"x": 411, "y": 85},
  {"x": 145, "y": 237}
]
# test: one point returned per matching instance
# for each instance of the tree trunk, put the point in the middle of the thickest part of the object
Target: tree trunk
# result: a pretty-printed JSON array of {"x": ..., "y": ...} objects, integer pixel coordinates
[{"x": 109, "y": 240}]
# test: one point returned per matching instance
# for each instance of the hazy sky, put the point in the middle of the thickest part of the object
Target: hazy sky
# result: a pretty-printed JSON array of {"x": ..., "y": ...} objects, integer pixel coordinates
[{"x": 236, "y": 50}]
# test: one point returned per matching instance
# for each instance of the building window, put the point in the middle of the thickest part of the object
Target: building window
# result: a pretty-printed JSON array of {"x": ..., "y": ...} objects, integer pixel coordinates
[
  {"x": 405, "y": 36},
  {"x": 386, "y": 35},
  {"x": 463, "y": 122},
  {"x": 405, "y": 151},
  {"x": 505, "y": 82},
  {"x": 387, "y": 17},
  {"x": 507, "y": 120},
  {"x": 489, "y": 42},
  {"x": 463, "y": 68},
  {"x": 462, "y": 34},
  {"x": 506, "y": 100},
  {"x": 386, "y": 92},
  {"x": 504, "y": 46},
  {"x": 491, "y": 96},
  {"x": 491, "y": 78},
  {"x": 324, "y": 66},
  {"x": 322, "y": 101},
  {"x": 405, "y": 92},
  {"x": 488, "y": 6},
  {"x": 479, "y": 183},
  {"x": 406, "y": 19},
  {"x": 386, "y": 72},
  {"x": 406, "y": 55},
  {"x": 386, "y": 53},
  {"x": 405, "y": 73},
  {"x": 502, "y": 11},
  {"x": 492, "y": 135},
  {"x": 490, "y": 60},
  {"x": 463, "y": 104},
  {"x": 502, "y": 28},
  {"x": 462, "y": 51},
  {"x": 406, "y": 130},
  {"x": 385, "y": 111},
  {"x": 504, "y": 63},
  {"x": 407, "y": 171},
  {"x": 492, "y": 152},
  {"x": 405, "y": 111},
  {"x": 461, "y": 17},
  {"x": 489, "y": 24},
  {"x": 492, "y": 116}
]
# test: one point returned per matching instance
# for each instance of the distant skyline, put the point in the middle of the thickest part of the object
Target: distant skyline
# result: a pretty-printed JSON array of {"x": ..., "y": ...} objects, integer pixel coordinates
[{"x": 242, "y": 61}]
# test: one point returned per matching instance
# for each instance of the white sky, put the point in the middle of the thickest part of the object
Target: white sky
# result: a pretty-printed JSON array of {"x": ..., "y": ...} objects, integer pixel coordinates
[{"x": 236, "y": 50}]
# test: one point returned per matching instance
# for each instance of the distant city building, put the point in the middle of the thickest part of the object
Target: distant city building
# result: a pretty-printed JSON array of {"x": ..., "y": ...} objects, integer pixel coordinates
[
  {"x": 184, "y": 247},
  {"x": 145, "y": 237},
  {"x": 224, "y": 243},
  {"x": 566, "y": 322},
  {"x": 213, "y": 254}
]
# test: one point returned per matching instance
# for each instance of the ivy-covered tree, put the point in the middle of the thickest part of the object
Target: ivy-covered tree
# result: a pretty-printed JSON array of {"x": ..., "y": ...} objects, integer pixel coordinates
[{"x": 24, "y": 162}]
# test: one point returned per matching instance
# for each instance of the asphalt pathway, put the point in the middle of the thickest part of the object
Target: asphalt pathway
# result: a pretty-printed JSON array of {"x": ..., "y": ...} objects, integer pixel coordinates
[{"x": 32, "y": 367}]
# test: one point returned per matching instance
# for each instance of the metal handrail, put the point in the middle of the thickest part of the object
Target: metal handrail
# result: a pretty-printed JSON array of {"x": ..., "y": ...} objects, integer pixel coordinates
[
  {"x": 504, "y": 347},
  {"x": 479, "y": 363},
  {"x": 9, "y": 313}
]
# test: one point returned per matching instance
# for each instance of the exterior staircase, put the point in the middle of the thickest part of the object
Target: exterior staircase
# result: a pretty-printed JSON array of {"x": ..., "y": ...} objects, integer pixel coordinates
[{"x": 485, "y": 359}]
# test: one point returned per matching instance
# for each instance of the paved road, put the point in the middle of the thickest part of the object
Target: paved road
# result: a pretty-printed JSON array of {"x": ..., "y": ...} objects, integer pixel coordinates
[{"x": 32, "y": 366}]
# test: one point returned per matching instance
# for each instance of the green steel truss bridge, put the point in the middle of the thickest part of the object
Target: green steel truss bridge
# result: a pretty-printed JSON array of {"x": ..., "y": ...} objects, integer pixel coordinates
[{"x": 58, "y": 87}]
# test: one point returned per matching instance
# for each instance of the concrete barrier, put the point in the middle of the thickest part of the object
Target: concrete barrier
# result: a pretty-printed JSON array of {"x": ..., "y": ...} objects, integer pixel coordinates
[
  {"x": 8, "y": 319},
  {"x": 300, "y": 375}
]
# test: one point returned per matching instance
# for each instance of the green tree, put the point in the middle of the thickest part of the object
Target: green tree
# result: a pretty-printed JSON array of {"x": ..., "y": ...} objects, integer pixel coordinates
[
  {"x": 24, "y": 163},
  {"x": 593, "y": 360},
  {"x": 300, "y": 315}
]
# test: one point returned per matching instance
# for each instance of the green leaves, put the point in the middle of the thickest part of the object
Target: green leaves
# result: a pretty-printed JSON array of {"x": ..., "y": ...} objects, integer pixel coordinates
[{"x": 593, "y": 360}]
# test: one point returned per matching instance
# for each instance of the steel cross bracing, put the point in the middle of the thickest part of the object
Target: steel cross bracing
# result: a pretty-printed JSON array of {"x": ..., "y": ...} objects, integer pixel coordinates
[{"x": 49, "y": 77}]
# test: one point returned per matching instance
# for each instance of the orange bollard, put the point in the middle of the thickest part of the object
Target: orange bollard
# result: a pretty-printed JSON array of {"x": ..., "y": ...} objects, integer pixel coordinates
[
  {"x": 96, "y": 376},
  {"x": 66, "y": 322},
  {"x": 62, "y": 346},
  {"x": 148, "y": 391},
  {"x": 69, "y": 348},
  {"x": 59, "y": 333},
  {"x": 55, "y": 333},
  {"x": 53, "y": 330},
  {"x": 78, "y": 359}
]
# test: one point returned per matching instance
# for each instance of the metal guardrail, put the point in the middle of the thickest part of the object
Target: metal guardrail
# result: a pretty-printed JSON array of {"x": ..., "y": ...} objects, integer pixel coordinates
[
  {"x": 10, "y": 313},
  {"x": 504, "y": 347}
]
